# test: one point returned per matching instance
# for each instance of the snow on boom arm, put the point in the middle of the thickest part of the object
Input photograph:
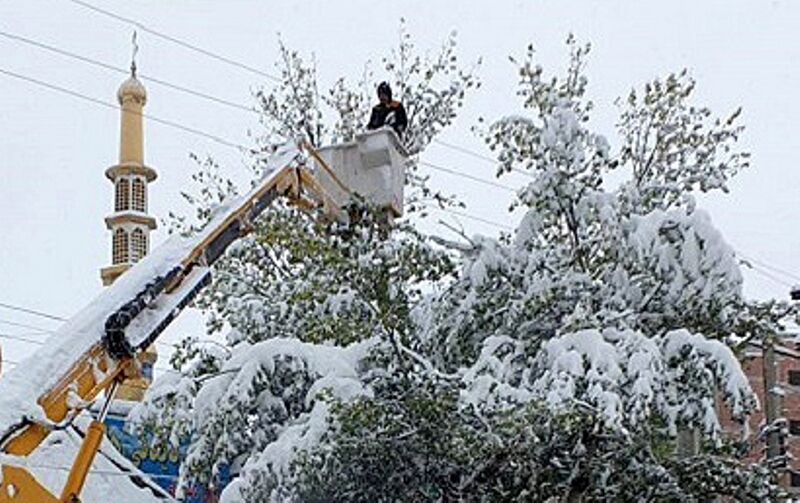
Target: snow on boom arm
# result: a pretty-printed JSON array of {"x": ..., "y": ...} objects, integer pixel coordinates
[{"x": 96, "y": 349}]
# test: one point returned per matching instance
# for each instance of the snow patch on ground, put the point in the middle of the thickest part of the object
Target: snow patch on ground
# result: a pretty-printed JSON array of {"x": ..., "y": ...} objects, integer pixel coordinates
[{"x": 106, "y": 482}]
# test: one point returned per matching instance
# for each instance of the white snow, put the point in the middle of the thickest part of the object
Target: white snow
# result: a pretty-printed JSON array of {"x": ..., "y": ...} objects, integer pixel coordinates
[
  {"x": 624, "y": 375},
  {"x": 332, "y": 369},
  {"x": 21, "y": 387},
  {"x": 106, "y": 481}
]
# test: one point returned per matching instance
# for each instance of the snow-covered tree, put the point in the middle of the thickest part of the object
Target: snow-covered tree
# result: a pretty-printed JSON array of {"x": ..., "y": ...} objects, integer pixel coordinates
[
  {"x": 553, "y": 364},
  {"x": 432, "y": 87}
]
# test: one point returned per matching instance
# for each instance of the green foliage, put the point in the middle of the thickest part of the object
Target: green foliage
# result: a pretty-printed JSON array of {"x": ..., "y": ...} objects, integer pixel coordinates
[
  {"x": 432, "y": 88},
  {"x": 674, "y": 147},
  {"x": 414, "y": 442},
  {"x": 324, "y": 282}
]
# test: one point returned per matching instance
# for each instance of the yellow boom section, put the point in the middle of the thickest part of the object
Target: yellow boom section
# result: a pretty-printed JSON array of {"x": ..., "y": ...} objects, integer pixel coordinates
[
  {"x": 96, "y": 371},
  {"x": 373, "y": 169}
]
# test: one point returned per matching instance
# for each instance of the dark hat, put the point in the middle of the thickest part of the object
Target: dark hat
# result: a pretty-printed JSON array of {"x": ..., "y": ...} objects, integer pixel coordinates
[{"x": 384, "y": 88}]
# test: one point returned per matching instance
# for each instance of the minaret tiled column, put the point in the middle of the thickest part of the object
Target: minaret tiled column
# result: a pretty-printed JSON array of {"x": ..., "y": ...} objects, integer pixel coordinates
[{"x": 130, "y": 224}]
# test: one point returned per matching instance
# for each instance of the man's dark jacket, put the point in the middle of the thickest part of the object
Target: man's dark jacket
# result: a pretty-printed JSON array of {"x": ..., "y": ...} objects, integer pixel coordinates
[{"x": 392, "y": 114}]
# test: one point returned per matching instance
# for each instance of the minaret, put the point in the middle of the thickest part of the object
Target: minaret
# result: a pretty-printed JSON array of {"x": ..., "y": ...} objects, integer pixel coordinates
[{"x": 130, "y": 225}]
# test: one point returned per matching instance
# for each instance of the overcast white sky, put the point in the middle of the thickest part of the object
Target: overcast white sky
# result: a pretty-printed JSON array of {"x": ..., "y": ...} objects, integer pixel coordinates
[{"x": 55, "y": 148}]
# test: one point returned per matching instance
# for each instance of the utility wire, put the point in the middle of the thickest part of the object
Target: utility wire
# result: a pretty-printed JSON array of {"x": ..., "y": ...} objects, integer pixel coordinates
[
  {"x": 124, "y": 71},
  {"x": 470, "y": 217},
  {"x": 42, "y": 343},
  {"x": 174, "y": 40},
  {"x": 231, "y": 104},
  {"x": 212, "y": 55},
  {"x": 100, "y": 471},
  {"x": 238, "y": 106},
  {"x": 18, "y": 337},
  {"x": 31, "y": 311},
  {"x": 43, "y": 331},
  {"x": 196, "y": 93},
  {"x": 23, "y": 325},
  {"x": 769, "y": 275},
  {"x": 107, "y": 104},
  {"x": 772, "y": 268},
  {"x": 476, "y": 155},
  {"x": 468, "y": 176},
  {"x": 464, "y": 150}
]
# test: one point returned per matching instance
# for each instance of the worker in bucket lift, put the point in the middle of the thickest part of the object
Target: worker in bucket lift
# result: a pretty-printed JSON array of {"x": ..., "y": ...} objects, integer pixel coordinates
[{"x": 388, "y": 112}]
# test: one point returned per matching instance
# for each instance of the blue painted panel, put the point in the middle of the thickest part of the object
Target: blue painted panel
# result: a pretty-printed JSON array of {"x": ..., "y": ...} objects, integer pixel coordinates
[{"x": 161, "y": 463}]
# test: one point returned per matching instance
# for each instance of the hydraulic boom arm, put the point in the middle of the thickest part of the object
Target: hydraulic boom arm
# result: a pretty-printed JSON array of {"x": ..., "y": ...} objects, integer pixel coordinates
[{"x": 131, "y": 325}]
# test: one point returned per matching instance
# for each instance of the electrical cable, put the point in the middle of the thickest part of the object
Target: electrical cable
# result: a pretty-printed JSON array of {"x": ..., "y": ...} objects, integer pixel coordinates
[
  {"x": 470, "y": 217},
  {"x": 31, "y": 311},
  {"x": 23, "y": 325},
  {"x": 238, "y": 106},
  {"x": 468, "y": 176},
  {"x": 159, "y": 120},
  {"x": 20, "y": 338},
  {"x": 174, "y": 40},
  {"x": 476, "y": 155},
  {"x": 766, "y": 265},
  {"x": 124, "y": 71},
  {"x": 768, "y": 275},
  {"x": 41, "y": 343}
]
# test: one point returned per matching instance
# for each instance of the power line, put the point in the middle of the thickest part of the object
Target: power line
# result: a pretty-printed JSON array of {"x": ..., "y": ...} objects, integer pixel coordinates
[
  {"x": 237, "y": 106},
  {"x": 124, "y": 71},
  {"x": 21, "y": 338},
  {"x": 193, "y": 92},
  {"x": 215, "y": 99},
  {"x": 174, "y": 40},
  {"x": 43, "y": 331},
  {"x": 100, "y": 471},
  {"x": 468, "y": 176},
  {"x": 769, "y": 275},
  {"x": 210, "y": 54},
  {"x": 165, "y": 122},
  {"x": 31, "y": 311},
  {"x": 42, "y": 343},
  {"x": 470, "y": 217},
  {"x": 111, "y": 105},
  {"x": 778, "y": 270},
  {"x": 23, "y": 325},
  {"x": 464, "y": 150}
]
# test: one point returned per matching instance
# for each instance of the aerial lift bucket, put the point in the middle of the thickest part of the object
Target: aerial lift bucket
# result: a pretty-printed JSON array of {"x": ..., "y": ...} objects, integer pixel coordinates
[{"x": 372, "y": 166}]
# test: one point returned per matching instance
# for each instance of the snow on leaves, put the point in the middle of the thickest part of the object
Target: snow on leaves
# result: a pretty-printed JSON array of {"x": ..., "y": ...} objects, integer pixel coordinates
[
  {"x": 591, "y": 335},
  {"x": 623, "y": 376}
]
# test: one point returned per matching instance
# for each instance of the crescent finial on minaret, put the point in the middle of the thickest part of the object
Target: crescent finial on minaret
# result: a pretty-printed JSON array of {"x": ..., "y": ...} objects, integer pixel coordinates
[{"x": 134, "y": 51}]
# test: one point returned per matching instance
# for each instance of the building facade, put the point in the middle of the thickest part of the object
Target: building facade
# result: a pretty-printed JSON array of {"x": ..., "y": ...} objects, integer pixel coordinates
[{"x": 786, "y": 393}]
